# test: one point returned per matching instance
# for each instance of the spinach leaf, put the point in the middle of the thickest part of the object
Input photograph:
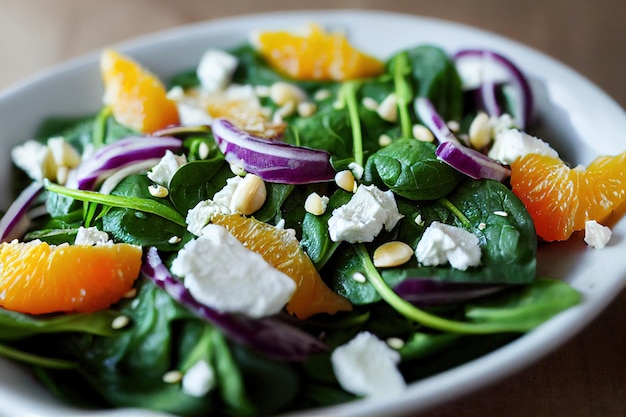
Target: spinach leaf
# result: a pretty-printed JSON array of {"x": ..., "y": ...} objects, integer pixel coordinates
[
  {"x": 15, "y": 325},
  {"x": 411, "y": 169},
  {"x": 276, "y": 196},
  {"x": 435, "y": 76},
  {"x": 316, "y": 240},
  {"x": 197, "y": 181},
  {"x": 138, "y": 227}
]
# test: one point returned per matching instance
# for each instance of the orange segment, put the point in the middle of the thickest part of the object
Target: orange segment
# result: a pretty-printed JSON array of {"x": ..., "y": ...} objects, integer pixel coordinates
[
  {"x": 561, "y": 199},
  {"x": 282, "y": 250},
  {"x": 137, "y": 97},
  {"x": 37, "y": 278},
  {"x": 316, "y": 55}
]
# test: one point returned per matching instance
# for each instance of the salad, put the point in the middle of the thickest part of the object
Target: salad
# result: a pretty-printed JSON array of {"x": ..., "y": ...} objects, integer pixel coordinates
[{"x": 264, "y": 236}]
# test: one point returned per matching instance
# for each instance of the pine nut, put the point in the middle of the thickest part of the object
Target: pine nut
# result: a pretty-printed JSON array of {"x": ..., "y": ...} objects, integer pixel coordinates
[
  {"x": 422, "y": 133},
  {"x": 282, "y": 93},
  {"x": 384, "y": 140},
  {"x": 120, "y": 322},
  {"x": 203, "y": 150},
  {"x": 158, "y": 191},
  {"x": 172, "y": 377},
  {"x": 388, "y": 108},
  {"x": 345, "y": 180},
  {"x": 306, "y": 109},
  {"x": 315, "y": 204},
  {"x": 369, "y": 103},
  {"x": 392, "y": 254},
  {"x": 480, "y": 131},
  {"x": 321, "y": 95},
  {"x": 249, "y": 196}
]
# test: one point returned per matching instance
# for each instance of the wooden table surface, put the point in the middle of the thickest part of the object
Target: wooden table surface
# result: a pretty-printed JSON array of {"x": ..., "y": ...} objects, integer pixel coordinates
[{"x": 584, "y": 378}]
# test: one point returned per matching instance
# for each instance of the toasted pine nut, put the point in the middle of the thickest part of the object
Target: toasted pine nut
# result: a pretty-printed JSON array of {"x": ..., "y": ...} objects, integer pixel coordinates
[
  {"x": 480, "y": 131},
  {"x": 315, "y": 204},
  {"x": 393, "y": 253},
  {"x": 345, "y": 180},
  {"x": 306, "y": 109},
  {"x": 282, "y": 93},
  {"x": 249, "y": 196},
  {"x": 369, "y": 103},
  {"x": 422, "y": 133},
  {"x": 158, "y": 191},
  {"x": 388, "y": 108}
]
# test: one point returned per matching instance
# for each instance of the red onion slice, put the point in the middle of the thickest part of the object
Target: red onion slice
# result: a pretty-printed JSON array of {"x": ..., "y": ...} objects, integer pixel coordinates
[
  {"x": 106, "y": 160},
  {"x": 269, "y": 335},
  {"x": 471, "y": 162},
  {"x": 515, "y": 78},
  {"x": 15, "y": 221},
  {"x": 273, "y": 161},
  {"x": 426, "y": 111},
  {"x": 424, "y": 292}
]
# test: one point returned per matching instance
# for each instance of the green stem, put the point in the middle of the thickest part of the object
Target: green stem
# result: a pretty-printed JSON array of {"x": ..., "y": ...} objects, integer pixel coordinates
[
  {"x": 349, "y": 95},
  {"x": 35, "y": 360},
  {"x": 404, "y": 95},
  {"x": 454, "y": 209},
  {"x": 100, "y": 126},
  {"x": 135, "y": 203},
  {"x": 411, "y": 312}
]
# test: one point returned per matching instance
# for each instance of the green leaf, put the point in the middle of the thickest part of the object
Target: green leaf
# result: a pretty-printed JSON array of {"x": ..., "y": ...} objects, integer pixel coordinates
[
  {"x": 197, "y": 181},
  {"x": 410, "y": 168}
]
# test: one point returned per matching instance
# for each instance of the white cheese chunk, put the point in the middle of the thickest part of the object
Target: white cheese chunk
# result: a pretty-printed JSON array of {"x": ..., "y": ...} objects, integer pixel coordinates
[
  {"x": 442, "y": 243},
  {"x": 216, "y": 69},
  {"x": 512, "y": 144},
  {"x": 41, "y": 161},
  {"x": 91, "y": 236},
  {"x": 596, "y": 235},
  {"x": 247, "y": 284},
  {"x": 163, "y": 172},
  {"x": 363, "y": 217},
  {"x": 63, "y": 154},
  {"x": 201, "y": 214},
  {"x": 199, "y": 379},
  {"x": 366, "y": 366}
]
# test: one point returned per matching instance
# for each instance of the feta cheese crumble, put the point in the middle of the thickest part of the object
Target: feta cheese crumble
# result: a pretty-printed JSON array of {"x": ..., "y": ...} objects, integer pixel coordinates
[
  {"x": 91, "y": 236},
  {"x": 216, "y": 69},
  {"x": 163, "y": 172},
  {"x": 363, "y": 217},
  {"x": 199, "y": 379},
  {"x": 596, "y": 235},
  {"x": 249, "y": 285},
  {"x": 51, "y": 161},
  {"x": 200, "y": 215},
  {"x": 442, "y": 243},
  {"x": 512, "y": 144},
  {"x": 367, "y": 366}
]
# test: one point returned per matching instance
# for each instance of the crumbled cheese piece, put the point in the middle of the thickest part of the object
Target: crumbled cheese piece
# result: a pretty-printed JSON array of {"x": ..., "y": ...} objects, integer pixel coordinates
[
  {"x": 442, "y": 243},
  {"x": 249, "y": 285},
  {"x": 163, "y": 172},
  {"x": 201, "y": 215},
  {"x": 367, "y": 366},
  {"x": 513, "y": 144},
  {"x": 191, "y": 115},
  {"x": 91, "y": 236},
  {"x": 363, "y": 217},
  {"x": 596, "y": 235},
  {"x": 41, "y": 161},
  {"x": 216, "y": 69},
  {"x": 199, "y": 379}
]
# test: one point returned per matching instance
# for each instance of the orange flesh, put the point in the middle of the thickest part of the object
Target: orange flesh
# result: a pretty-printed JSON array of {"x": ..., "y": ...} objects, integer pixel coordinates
[
  {"x": 282, "y": 250},
  {"x": 37, "y": 278}
]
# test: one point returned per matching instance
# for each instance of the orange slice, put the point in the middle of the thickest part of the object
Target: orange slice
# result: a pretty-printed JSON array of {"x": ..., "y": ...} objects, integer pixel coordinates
[
  {"x": 37, "y": 278},
  {"x": 316, "y": 55},
  {"x": 137, "y": 97},
  {"x": 561, "y": 199},
  {"x": 282, "y": 250}
]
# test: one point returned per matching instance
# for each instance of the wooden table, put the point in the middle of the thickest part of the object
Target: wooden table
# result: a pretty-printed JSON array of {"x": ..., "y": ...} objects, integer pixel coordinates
[{"x": 584, "y": 378}]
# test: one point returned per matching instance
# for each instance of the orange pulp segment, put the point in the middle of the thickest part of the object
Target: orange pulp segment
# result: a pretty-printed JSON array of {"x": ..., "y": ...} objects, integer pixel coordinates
[
  {"x": 282, "y": 250},
  {"x": 37, "y": 278},
  {"x": 316, "y": 55},
  {"x": 561, "y": 199},
  {"x": 137, "y": 97}
]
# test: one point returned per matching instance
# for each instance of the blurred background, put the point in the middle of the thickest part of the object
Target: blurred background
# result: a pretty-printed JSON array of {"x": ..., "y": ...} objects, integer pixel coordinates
[{"x": 587, "y": 376}]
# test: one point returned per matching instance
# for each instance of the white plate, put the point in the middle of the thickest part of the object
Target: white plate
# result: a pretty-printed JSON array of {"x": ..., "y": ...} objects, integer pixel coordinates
[{"x": 575, "y": 115}]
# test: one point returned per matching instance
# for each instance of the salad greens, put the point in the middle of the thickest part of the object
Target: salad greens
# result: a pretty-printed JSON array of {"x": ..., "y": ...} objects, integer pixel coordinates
[{"x": 82, "y": 359}]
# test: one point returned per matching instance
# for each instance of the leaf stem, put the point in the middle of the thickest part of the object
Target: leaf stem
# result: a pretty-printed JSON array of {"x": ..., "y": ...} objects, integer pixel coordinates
[
  {"x": 455, "y": 210},
  {"x": 411, "y": 312},
  {"x": 35, "y": 360},
  {"x": 140, "y": 204},
  {"x": 349, "y": 95},
  {"x": 99, "y": 129},
  {"x": 404, "y": 95}
]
